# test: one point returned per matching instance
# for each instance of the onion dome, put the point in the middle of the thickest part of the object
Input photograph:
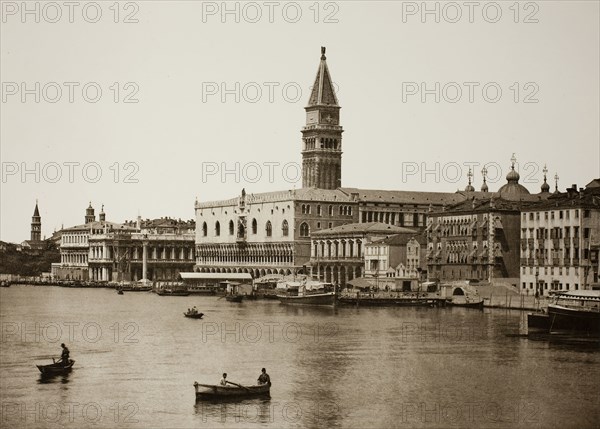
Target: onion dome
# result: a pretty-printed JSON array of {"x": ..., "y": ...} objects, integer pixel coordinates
[
  {"x": 513, "y": 189},
  {"x": 545, "y": 186}
]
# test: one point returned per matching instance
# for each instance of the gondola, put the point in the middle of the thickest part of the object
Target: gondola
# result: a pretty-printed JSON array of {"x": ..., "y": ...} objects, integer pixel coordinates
[
  {"x": 56, "y": 368},
  {"x": 193, "y": 315},
  {"x": 211, "y": 391}
]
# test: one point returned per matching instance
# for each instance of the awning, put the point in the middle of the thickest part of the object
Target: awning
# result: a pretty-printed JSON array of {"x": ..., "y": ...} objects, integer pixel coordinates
[{"x": 361, "y": 283}]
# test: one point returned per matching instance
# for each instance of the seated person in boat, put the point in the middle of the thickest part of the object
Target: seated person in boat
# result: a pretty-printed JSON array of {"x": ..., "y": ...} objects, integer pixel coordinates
[
  {"x": 195, "y": 310},
  {"x": 224, "y": 380},
  {"x": 64, "y": 357},
  {"x": 264, "y": 378}
]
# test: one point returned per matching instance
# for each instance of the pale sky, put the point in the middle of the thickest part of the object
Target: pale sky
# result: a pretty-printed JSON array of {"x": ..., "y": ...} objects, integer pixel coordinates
[{"x": 175, "y": 52}]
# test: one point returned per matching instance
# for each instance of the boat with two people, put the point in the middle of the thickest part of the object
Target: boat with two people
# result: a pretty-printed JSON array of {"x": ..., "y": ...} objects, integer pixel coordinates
[
  {"x": 192, "y": 313},
  {"x": 306, "y": 292},
  {"x": 227, "y": 389}
]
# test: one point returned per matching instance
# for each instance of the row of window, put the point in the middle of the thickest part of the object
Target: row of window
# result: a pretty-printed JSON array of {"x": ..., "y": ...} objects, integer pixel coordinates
[
  {"x": 325, "y": 143},
  {"x": 343, "y": 210},
  {"x": 561, "y": 214},
  {"x": 558, "y": 286},
  {"x": 285, "y": 229},
  {"x": 542, "y": 233}
]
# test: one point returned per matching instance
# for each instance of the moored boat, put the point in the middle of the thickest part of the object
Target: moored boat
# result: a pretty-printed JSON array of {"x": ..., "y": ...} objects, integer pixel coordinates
[
  {"x": 307, "y": 292},
  {"x": 211, "y": 391},
  {"x": 234, "y": 298},
  {"x": 56, "y": 368},
  {"x": 172, "y": 292},
  {"x": 4, "y": 283},
  {"x": 573, "y": 311}
]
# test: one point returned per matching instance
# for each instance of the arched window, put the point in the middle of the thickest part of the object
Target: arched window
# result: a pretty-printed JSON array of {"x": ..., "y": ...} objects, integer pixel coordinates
[
  {"x": 204, "y": 229},
  {"x": 319, "y": 210},
  {"x": 269, "y": 229},
  {"x": 285, "y": 228},
  {"x": 304, "y": 230},
  {"x": 231, "y": 227},
  {"x": 330, "y": 210},
  {"x": 217, "y": 228},
  {"x": 254, "y": 226}
]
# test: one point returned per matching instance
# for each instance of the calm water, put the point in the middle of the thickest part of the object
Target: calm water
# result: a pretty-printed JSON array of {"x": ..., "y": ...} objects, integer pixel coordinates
[{"x": 137, "y": 358}]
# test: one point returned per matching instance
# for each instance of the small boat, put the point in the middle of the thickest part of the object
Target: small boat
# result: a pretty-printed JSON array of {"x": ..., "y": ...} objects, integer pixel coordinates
[
  {"x": 4, "y": 283},
  {"x": 172, "y": 292},
  {"x": 193, "y": 315},
  {"x": 234, "y": 298},
  {"x": 211, "y": 391},
  {"x": 56, "y": 368},
  {"x": 307, "y": 292},
  {"x": 120, "y": 291}
]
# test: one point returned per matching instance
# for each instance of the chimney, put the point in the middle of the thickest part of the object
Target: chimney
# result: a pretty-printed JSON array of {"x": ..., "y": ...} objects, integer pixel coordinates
[{"x": 572, "y": 191}]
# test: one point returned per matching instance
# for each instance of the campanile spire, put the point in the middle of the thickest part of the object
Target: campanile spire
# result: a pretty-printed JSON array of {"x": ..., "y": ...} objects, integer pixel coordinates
[{"x": 322, "y": 134}]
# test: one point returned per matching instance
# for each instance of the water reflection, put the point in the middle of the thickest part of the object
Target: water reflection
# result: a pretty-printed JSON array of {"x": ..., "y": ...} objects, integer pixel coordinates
[
  {"x": 238, "y": 410},
  {"x": 54, "y": 378}
]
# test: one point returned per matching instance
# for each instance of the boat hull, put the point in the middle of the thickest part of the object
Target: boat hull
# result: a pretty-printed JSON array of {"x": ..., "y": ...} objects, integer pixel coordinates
[
  {"x": 477, "y": 304},
  {"x": 314, "y": 299},
  {"x": 564, "y": 318},
  {"x": 387, "y": 302},
  {"x": 182, "y": 293},
  {"x": 209, "y": 391},
  {"x": 56, "y": 368},
  {"x": 234, "y": 298}
]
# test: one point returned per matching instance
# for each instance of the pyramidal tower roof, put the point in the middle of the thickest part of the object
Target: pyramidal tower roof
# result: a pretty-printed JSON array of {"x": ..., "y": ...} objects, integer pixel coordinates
[
  {"x": 323, "y": 92},
  {"x": 36, "y": 212}
]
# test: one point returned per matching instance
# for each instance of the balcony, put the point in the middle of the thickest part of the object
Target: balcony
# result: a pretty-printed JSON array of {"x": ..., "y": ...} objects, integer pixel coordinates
[
  {"x": 555, "y": 243},
  {"x": 575, "y": 262}
]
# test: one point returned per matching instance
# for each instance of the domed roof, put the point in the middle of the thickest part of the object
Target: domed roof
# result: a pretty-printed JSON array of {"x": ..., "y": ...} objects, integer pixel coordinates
[
  {"x": 513, "y": 189},
  {"x": 545, "y": 187},
  {"x": 469, "y": 188},
  {"x": 484, "y": 187}
]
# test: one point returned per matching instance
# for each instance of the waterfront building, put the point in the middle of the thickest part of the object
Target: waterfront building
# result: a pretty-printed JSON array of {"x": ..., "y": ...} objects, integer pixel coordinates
[
  {"x": 338, "y": 253},
  {"x": 102, "y": 251},
  {"x": 269, "y": 233},
  {"x": 266, "y": 233},
  {"x": 398, "y": 260},
  {"x": 479, "y": 239},
  {"x": 560, "y": 241}
]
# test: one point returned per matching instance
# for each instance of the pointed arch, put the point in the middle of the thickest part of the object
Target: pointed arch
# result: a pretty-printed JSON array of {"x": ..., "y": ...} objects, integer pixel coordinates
[
  {"x": 304, "y": 230},
  {"x": 269, "y": 229},
  {"x": 285, "y": 229},
  {"x": 254, "y": 226},
  {"x": 217, "y": 229}
]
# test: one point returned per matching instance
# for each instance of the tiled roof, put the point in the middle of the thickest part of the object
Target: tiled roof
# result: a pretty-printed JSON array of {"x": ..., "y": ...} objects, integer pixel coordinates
[{"x": 404, "y": 197}]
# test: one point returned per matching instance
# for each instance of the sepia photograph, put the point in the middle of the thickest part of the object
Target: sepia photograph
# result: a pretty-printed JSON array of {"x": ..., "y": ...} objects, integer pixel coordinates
[{"x": 300, "y": 214}]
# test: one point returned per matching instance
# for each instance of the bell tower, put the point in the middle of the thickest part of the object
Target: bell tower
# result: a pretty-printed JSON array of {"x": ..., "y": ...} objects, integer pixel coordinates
[
  {"x": 36, "y": 224},
  {"x": 322, "y": 134}
]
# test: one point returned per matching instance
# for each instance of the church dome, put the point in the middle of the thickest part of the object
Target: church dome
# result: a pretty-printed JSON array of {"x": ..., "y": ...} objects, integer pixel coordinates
[{"x": 512, "y": 189}]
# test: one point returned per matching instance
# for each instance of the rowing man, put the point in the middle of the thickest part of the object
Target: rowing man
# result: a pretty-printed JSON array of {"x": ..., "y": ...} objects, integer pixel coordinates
[{"x": 264, "y": 378}]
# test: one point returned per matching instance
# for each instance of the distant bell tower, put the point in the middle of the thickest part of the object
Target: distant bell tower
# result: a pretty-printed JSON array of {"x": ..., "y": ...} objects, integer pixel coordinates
[
  {"x": 322, "y": 135},
  {"x": 90, "y": 215},
  {"x": 36, "y": 224}
]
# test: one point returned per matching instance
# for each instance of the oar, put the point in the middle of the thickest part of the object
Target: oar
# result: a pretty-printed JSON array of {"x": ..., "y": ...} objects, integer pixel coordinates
[{"x": 238, "y": 385}]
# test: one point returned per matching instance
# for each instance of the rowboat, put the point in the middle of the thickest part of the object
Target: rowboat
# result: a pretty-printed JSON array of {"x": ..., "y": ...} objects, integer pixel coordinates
[
  {"x": 211, "y": 391},
  {"x": 56, "y": 368},
  {"x": 193, "y": 315}
]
